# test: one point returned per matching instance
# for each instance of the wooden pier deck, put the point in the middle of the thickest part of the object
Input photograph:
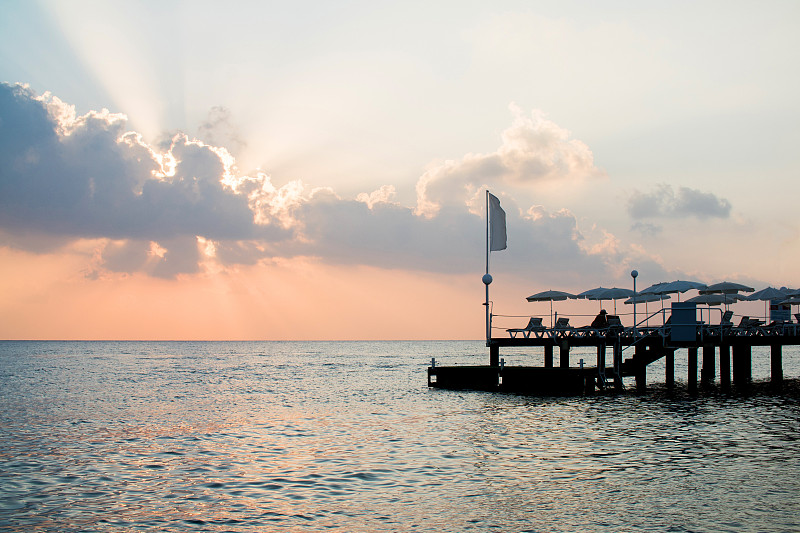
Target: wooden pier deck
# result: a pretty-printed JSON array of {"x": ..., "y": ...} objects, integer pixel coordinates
[{"x": 726, "y": 353}]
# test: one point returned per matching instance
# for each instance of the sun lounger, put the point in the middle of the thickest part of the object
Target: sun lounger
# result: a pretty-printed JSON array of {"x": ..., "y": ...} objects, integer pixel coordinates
[
  {"x": 562, "y": 327},
  {"x": 747, "y": 325},
  {"x": 534, "y": 325}
]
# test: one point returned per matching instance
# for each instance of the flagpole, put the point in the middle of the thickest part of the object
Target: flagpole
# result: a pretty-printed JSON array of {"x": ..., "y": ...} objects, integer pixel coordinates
[{"x": 487, "y": 279}]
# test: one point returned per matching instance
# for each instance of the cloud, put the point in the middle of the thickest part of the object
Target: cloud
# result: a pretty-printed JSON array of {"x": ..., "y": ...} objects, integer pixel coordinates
[
  {"x": 533, "y": 150},
  {"x": 181, "y": 207},
  {"x": 219, "y": 130},
  {"x": 664, "y": 202},
  {"x": 84, "y": 176}
]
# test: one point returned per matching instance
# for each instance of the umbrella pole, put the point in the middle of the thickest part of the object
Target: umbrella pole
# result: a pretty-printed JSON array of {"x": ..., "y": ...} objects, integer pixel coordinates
[{"x": 551, "y": 313}]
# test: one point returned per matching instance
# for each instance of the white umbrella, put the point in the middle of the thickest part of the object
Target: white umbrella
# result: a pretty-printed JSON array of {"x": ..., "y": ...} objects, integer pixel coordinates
[
  {"x": 591, "y": 292},
  {"x": 645, "y": 298},
  {"x": 550, "y": 296},
  {"x": 673, "y": 287},
  {"x": 770, "y": 293},
  {"x": 717, "y": 299},
  {"x": 614, "y": 293},
  {"x": 792, "y": 300},
  {"x": 726, "y": 287}
]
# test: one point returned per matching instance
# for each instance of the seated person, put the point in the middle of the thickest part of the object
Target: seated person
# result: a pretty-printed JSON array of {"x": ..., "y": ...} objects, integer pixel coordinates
[{"x": 600, "y": 321}]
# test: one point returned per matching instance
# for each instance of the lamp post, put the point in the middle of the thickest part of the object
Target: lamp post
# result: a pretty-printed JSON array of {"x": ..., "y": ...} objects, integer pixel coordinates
[{"x": 634, "y": 274}]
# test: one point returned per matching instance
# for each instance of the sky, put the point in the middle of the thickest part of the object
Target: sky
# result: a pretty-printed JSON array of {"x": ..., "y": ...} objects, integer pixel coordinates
[{"x": 316, "y": 170}]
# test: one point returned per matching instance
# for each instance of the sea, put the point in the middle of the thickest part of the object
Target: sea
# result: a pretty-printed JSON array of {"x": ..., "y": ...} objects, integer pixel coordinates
[{"x": 347, "y": 436}]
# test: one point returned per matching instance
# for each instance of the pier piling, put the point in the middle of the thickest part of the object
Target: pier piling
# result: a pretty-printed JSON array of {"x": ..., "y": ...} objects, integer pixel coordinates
[
  {"x": 564, "y": 359},
  {"x": 707, "y": 374},
  {"x": 776, "y": 365},
  {"x": 669, "y": 363},
  {"x": 641, "y": 367},
  {"x": 742, "y": 366},
  {"x": 725, "y": 367},
  {"x": 548, "y": 356},
  {"x": 692, "y": 364}
]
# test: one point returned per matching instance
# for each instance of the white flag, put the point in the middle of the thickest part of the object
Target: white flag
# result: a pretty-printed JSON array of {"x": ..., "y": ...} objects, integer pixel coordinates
[{"x": 497, "y": 225}]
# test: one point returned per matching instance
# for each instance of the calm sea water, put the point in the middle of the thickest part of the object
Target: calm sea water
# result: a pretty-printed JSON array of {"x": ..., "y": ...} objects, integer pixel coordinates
[{"x": 345, "y": 436}]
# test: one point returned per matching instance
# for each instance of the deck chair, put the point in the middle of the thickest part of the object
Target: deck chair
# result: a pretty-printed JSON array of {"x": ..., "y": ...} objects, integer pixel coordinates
[
  {"x": 797, "y": 317},
  {"x": 562, "y": 323},
  {"x": 747, "y": 324},
  {"x": 726, "y": 319},
  {"x": 534, "y": 325}
]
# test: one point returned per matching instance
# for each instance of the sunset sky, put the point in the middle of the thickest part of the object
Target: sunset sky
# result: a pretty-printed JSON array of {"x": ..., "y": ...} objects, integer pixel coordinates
[{"x": 315, "y": 170}]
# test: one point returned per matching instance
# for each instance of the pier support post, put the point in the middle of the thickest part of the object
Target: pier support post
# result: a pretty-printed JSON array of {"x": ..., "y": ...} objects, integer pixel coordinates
[
  {"x": 494, "y": 355},
  {"x": 618, "y": 365},
  {"x": 707, "y": 374},
  {"x": 564, "y": 359},
  {"x": 692, "y": 377},
  {"x": 669, "y": 363},
  {"x": 601, "y": 358},
  {"x": 641, "y": 367},
  {"x": 776, "y": 365},
  {"x": 548, "y": 356},
  {"x": 742, "y": 369},
  {"x": 725, "y": 367}
]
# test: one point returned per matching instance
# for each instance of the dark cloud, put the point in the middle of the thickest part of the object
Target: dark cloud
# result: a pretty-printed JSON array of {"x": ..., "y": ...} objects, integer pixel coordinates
[
  {"x": 88, "y": 177},
  {"x": 664, "y": 202},
  {"x": 647, "y": 229},
  {"x": 164, "y": 210}
]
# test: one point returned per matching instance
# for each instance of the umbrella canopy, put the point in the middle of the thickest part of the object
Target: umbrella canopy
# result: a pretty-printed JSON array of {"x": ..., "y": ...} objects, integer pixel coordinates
[
  {"x": 654, "y": 289},
  {"x": 614, "y": 293},
  {"x": 717, "y": 299},
  {"x": 726, "y": 287},
  {"x": 794, "y": 300},
  {"x": 645, "y": 298},
  {"x": 770, "y": 293},
  {"x": 550, "y": 296},
  {"x": 673, "y": 287},
  {"x": 591, "y": 292}
]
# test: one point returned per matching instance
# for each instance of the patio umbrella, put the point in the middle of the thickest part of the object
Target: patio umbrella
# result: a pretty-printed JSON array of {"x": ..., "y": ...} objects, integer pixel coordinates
[
  {"x": 614, "y": 293},
  {"x": 550, "y": 296},
  {"x": 726, "y": 287},
  {"x": 645, "y": 298},
  {"x": 770, "y": 293},
  {"x": 793, "y": 300},
  {"x": 673, "y": 287},
  {"x": 717, "y": 299},
  {"x": 591, "y": 292}
]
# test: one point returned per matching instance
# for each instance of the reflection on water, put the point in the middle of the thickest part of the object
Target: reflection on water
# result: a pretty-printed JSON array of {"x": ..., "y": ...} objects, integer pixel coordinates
[{"x": 346, "y": 437}]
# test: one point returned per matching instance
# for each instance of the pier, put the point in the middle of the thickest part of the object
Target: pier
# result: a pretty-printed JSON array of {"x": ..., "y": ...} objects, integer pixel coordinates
[{"x": 721, "y": 351}]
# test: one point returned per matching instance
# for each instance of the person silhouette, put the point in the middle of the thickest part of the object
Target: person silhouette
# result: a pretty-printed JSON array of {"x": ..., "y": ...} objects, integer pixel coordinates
[{"x": 600, "y": 321}]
